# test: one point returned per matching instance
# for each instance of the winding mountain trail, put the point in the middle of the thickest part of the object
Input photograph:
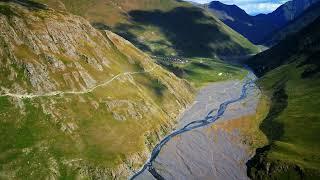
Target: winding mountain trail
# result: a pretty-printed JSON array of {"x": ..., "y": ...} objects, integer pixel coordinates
[
  {"x": 57, "y": 93},
  {"x": 184, "y": 153}
]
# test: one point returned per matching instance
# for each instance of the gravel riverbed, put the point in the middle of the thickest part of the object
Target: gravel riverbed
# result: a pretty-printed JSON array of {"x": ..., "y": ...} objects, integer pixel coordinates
[{"x": 209, "y": 152}]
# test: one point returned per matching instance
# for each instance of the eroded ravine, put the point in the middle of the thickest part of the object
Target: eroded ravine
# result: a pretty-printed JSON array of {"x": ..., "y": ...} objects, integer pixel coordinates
[{"x": 191, "y": 152}]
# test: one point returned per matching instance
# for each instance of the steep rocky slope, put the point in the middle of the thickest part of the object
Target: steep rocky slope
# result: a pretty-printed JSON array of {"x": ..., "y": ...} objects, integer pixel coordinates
[
  {"x": 76, "y": 102},
  {"x": 161, "y": 27}
]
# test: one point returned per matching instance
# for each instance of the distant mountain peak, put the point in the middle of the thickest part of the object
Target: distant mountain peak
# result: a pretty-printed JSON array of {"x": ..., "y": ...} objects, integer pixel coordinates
[
  {"x": 218, "y": 4},
  {"x": 229, "y": 10}
]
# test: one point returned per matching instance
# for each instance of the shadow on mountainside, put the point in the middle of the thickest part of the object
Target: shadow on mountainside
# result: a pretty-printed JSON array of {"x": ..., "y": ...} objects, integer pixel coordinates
[
  {"x": 312, "y": 63},
  {"x": 190, "y": 32}
]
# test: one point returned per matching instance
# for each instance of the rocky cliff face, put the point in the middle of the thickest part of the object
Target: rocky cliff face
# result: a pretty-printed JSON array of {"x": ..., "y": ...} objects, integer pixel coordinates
[{"x": 76, "y": 102}]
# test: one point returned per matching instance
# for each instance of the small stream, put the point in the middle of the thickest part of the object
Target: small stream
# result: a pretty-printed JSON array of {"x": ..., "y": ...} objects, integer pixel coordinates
[{"x": 208, "y": 119}]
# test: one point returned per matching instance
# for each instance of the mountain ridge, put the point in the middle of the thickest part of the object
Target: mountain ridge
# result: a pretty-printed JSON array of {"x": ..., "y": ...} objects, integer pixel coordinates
[{"x": 257, "y": 28}]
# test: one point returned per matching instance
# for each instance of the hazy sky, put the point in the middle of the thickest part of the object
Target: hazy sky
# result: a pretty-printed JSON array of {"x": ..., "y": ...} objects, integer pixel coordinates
[{"x": 251, "y": 6}]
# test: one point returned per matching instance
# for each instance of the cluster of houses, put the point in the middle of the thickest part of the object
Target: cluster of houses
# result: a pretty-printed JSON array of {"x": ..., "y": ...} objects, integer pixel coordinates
[{"x": 171, "y": 59}]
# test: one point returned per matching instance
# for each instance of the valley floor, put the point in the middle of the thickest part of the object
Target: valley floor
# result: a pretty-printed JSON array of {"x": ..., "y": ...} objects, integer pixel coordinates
[{"x": 215, "y": 151}]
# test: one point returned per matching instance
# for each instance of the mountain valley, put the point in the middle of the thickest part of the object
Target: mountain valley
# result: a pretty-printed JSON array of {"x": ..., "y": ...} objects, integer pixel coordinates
[{"x": 158, "y": 89}]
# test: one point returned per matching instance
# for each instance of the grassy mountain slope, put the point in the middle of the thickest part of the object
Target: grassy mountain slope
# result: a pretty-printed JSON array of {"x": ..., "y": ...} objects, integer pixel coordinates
[
  {"x": 290, "y": 76},
  {"x": 161, "y": 27},
  {"x": 103, "y": 126}
]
